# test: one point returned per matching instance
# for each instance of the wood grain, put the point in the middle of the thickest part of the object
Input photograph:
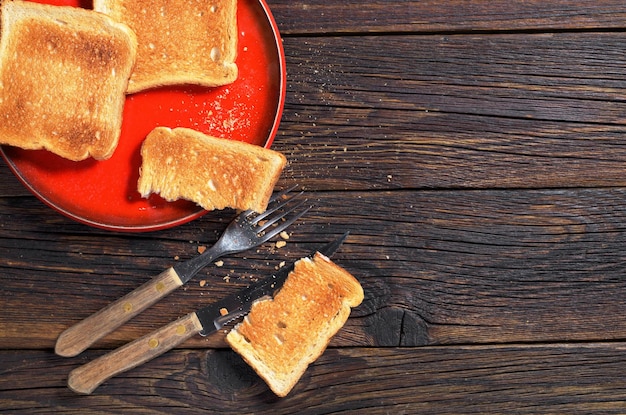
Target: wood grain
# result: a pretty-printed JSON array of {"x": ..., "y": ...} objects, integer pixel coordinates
[
  {"x": 85, "y": 333},
  {"x": 86, "y": 378},
  {"x": 455, "y": 111},
  {"x": 451, "y": 267},
  {"x": 476, "y": 152},
  {"x": 388, "y": 16},
  {"x": 487, "y": 74},
  {"x": 558, "y": 378}
]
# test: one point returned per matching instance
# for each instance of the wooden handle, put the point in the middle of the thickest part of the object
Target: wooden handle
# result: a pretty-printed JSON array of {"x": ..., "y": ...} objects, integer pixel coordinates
[
  {"x": 85, "y": 379},
  {"x": 80, "y": 336}
]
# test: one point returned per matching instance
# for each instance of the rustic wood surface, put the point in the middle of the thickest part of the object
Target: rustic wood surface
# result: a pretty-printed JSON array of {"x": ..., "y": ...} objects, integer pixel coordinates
[{"x": 476, "y": 152}]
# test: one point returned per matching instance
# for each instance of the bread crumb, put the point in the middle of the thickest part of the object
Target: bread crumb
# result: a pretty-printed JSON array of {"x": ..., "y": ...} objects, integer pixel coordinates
[
  {"x": 282, "y": 264},
  {"x": 219, "y": 263},
  {"x": 280, "y": 244},
  {"x": 176, "y": 258},
  {"x": 284, "y": 235},
  {"x": 226, "y": 278},
  {"x": 223, "y": 311},
  {"x": 201, "y": 249},
  {"x": 202, "y": 283}
]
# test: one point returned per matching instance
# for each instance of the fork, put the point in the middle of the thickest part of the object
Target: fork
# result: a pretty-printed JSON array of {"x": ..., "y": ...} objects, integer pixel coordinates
[{"x": 246, "y": 231}]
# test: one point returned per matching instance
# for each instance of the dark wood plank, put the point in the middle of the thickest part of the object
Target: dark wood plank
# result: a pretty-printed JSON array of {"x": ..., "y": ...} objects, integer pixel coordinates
[
  {"x": 554, "y": 77},
  {"x": 451, "y": 267},
  {"x": 577, "y": 379},
  {"x": 455, "y": 111},
  {"x": 10, "y": 186},
  {"x": 396, "y": 149},
  {"x": 350, "y": 17}
]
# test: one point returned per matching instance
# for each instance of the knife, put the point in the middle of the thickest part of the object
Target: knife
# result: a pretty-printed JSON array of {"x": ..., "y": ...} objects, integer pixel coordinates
[{"x": 85, "y": 379}]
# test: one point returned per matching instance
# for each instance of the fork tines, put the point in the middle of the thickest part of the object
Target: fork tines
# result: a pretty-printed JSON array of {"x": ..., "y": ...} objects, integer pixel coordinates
[{"x": 280, "y": 208}]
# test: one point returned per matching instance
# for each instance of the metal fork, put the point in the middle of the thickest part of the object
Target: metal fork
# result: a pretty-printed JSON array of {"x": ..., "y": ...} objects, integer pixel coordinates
[{"x": 246, "y": 231}]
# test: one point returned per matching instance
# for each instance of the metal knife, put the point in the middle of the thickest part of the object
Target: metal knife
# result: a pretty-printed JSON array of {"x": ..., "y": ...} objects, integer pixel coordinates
[{"x": 85, "y": 379}]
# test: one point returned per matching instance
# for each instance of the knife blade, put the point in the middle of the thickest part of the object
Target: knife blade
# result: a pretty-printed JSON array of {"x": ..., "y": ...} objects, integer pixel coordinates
[{"x": 85, "y": 379}]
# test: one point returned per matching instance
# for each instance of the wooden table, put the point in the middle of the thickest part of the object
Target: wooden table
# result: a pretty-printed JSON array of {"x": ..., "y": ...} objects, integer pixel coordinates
[{"x": 476, "y": 150}]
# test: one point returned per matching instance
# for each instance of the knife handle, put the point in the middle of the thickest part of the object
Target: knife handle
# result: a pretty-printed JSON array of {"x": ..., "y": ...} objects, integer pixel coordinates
[
  {"x": 83, "y": 334},
  {"x": 85, "y": 379}
]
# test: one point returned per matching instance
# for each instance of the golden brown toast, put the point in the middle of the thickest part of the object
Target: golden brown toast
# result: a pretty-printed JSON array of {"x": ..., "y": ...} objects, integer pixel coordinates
[
  {"x": 180, "y": 41},
  {"x": 279, "y": 338},
  {"x": 63, "y": 76},
  {"x": 216, "y": 173}
]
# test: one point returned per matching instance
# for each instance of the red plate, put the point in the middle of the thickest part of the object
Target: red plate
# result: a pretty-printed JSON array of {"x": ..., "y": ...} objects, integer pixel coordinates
[{"x": 103, "y": 193}]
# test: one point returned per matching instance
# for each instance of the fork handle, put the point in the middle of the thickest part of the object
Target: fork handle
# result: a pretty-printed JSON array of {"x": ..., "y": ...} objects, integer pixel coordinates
[
  {"x": 83, "y": 334},
  {"x": 85, "y": 379}
]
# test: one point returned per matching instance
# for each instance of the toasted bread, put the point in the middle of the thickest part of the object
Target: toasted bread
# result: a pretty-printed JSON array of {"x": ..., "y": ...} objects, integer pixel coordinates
[
  {"x": 180, "y": 41},
  {"x": 216, "y": 173},
  {"x": 279, "y": 338},
  {"x": 63, "y": 76}
]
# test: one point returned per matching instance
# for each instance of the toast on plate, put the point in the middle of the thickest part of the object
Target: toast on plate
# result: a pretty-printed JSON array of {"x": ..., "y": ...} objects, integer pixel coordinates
[
  {"x": 216, "y": 173},
  {"x": 63, "y": 76},
  {"x": 180, "y": 41},
  {"x": 280, "y": 337}
]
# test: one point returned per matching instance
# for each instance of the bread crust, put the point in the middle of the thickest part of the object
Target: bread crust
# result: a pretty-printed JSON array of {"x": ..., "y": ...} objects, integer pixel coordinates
[
  {"x": 216, "y": 173},
  {"x": 280, "y": 337},
  {"x": 63, "y": 76},
  {"x": 180, "y": 41}
]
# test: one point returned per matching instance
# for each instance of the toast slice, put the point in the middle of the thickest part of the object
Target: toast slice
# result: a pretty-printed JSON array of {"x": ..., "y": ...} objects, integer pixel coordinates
[
  {"x": 279, "y": 338},
  {"x": 63, "y": 76},
  {"x": 216, "y": 173},
  {"x": 180, "y": 41}
]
